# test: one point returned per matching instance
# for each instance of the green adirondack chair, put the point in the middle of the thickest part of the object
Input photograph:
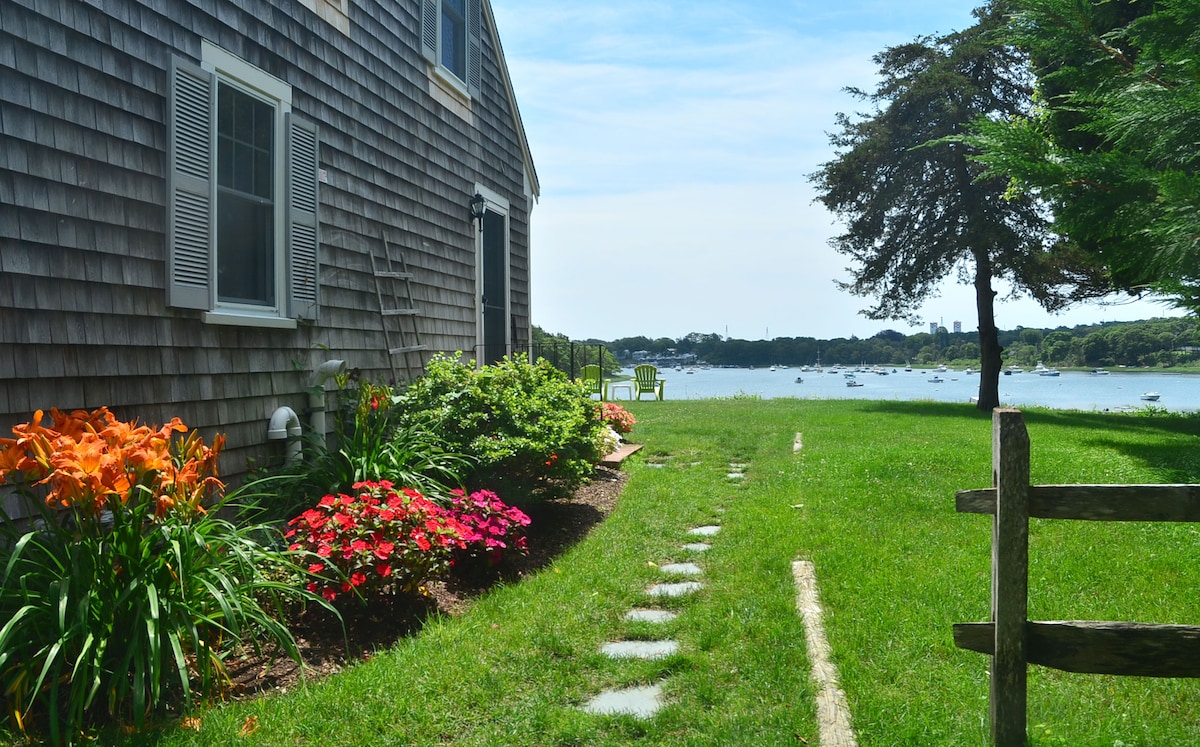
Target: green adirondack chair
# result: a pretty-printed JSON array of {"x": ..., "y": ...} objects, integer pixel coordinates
[
  {"x": 593, "y": 381},
  {"x": 646, "y": 381}
]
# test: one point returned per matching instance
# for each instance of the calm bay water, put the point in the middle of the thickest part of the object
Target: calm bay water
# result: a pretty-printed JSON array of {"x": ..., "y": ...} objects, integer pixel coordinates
[{"x": 1074, "y": 390}]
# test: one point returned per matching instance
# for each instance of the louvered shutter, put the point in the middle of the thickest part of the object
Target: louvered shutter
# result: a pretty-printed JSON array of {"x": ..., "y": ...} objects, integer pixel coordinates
[
  {"x": 474, "y": 47},
  {"x": 302, "y": 225},
  {"x": 429, "y": 29},
  {"x": 191, "y": 211}
]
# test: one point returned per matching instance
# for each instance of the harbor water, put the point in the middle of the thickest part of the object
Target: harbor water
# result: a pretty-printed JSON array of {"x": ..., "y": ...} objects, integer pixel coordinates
[{"x": 1070, "y": 390}]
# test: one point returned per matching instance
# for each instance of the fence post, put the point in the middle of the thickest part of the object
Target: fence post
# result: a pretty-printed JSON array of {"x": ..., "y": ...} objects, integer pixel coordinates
[{"x": 1010, "y": 576}]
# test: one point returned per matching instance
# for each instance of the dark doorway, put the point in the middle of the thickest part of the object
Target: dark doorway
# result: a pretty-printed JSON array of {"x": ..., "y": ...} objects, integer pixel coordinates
[{"x": 495, "y": 287}]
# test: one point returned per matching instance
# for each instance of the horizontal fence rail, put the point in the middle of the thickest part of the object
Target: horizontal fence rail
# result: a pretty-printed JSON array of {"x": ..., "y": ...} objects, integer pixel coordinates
[{"x": 1084, "y": 646}]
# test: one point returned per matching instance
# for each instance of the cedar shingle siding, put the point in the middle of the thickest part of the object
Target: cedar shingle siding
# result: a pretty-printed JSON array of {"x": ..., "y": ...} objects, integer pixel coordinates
[{"x": 84, "y": 319}]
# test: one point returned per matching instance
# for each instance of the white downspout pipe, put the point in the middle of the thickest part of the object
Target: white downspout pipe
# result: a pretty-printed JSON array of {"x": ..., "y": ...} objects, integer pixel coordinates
[
  {"x": 316, "y": 397},
  {"x": 285, "y": 425}
]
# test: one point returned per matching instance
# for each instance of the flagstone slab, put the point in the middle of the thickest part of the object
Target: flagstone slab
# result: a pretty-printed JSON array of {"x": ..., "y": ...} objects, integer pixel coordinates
[
  {"x": 639, "y": 649},
  {"x": 639, "y": 702},
  {"x": 705, "y": 531},
  {"x": 682, "y": 569},
  {"x": 683, "y": 588},
  {"x": 697, "y": 546},
  {"x": 650, "y": 615},
  {"x": 735, "y": 476}
]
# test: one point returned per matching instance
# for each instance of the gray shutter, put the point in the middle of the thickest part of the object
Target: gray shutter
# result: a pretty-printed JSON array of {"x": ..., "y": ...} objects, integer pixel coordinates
[
  {"x": 429, "y": 29},
  {"x": 474, "y": 47},
  {"x": 191, "y": 209},
  {"x": 302, "y": 223}
]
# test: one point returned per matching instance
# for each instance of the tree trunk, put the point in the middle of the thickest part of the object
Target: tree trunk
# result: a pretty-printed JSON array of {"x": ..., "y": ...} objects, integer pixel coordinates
[{"x": 989, "y": 336}]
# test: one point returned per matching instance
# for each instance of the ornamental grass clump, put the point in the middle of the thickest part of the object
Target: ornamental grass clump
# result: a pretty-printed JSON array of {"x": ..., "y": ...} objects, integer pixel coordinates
[
  {"x": 368, "y": 443},
  {"x": 124, "y": 591}
]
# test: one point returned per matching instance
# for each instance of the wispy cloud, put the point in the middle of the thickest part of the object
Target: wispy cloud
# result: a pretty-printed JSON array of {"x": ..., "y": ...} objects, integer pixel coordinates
[{"x": 672, "y": 141}]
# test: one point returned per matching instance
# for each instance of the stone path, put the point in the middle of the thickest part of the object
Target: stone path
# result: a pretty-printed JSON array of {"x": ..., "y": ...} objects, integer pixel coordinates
[
  {"x": 644, "y": 702},
  {"x": 833, "y": 714}
]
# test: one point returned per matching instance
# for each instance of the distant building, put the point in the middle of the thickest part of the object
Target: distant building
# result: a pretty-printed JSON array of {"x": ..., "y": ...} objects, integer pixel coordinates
[
  {"x": 933, "y": 328},
  {"x": 957, "y": 327}
]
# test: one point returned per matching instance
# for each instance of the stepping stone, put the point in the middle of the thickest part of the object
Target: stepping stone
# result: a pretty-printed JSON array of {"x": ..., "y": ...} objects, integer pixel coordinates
[
  {"x": 736, "y": 476},
  {"x": 639, "y": 702},
  {"x": 675, "y": 590},
  {"x": 650, "y": 615},
  {"x": 655, "y": 465},
  {"x": 697, "y": 546},
  {"x": 639, "y": 649},
  {"x": 705, "y": 531},
  {"x": 683, "y": 569}
]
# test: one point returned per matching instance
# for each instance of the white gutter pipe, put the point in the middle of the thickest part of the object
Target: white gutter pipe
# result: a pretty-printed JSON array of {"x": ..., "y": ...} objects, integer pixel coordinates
[
  {"x": 316, "y": 396},
  {"x": 285, "y": 425}
]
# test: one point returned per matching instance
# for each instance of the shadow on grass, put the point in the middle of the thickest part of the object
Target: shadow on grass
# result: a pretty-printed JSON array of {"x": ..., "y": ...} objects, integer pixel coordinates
[{"x": 1177, "y": 460}]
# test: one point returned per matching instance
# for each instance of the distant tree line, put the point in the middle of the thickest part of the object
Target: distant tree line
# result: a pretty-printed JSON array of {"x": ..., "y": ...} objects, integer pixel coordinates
[{"x": 1154, "y": 342}]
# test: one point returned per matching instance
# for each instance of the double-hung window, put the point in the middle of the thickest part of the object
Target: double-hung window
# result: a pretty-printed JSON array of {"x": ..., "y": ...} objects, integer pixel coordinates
[
  {"x": 242, "y": 233},
  {"x": 450, "y": 40}
]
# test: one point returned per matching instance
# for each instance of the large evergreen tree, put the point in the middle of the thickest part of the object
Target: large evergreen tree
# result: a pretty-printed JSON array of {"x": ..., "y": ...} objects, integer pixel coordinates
[
  {"x": 915, "y": 206},
  {"x": 1112, "y": 145}
]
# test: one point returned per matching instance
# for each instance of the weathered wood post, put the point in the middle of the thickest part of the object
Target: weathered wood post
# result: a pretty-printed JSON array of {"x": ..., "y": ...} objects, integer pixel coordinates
[{"x": 1010, "y": 576}]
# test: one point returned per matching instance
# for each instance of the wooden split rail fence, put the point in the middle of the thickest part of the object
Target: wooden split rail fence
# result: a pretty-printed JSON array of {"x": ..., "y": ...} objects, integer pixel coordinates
[{"x": 1013, "y": 642}]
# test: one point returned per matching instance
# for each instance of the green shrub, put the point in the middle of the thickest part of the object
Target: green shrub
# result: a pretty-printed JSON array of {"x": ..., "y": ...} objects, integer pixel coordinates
[{"x": 532, "y": 430}]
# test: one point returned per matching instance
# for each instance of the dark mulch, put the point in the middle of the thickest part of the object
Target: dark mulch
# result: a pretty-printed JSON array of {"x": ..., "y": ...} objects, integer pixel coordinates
[{"x": 326, "y": 648}]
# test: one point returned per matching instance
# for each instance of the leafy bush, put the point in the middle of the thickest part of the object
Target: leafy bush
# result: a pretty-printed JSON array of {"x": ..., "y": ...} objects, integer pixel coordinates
[
  {"x": 532, "y": 430},
  {"x": 126, "y": 593},
  {"x": 368, "y": 444}
]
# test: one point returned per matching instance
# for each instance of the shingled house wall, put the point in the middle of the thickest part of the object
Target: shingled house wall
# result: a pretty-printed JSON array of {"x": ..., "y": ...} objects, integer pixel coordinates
[{"x": 83, "y": 204}]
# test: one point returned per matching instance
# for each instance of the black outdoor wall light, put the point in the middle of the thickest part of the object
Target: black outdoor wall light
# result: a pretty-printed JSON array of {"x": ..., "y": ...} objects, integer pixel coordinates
[{"x": 478, "y": 209}]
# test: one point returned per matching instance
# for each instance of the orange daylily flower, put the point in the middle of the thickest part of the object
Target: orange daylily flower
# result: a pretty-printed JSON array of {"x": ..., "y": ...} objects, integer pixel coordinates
[{"x": 87, "y": 458}]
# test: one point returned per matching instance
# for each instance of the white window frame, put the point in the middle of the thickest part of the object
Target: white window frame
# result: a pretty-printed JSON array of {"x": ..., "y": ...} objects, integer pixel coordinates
[
  {"x": 192, "y": 214},
  {"x": 233, "y": 71}
]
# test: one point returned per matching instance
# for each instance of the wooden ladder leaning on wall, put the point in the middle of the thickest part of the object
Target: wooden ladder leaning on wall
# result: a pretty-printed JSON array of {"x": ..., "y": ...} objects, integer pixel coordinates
[{"x": 393, "y": 288}]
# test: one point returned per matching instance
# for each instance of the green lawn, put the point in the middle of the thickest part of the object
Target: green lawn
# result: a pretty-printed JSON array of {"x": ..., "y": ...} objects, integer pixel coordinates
[{"x": 870, "y": 500}]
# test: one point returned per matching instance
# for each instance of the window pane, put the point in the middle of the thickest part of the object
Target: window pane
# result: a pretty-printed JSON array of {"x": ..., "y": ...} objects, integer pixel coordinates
[
  {"x": 245, "y": 129},
  {"x": 245, "y": 255},
  {"x": 454, "y": 37},
  {"x": 245, "y": 198}
]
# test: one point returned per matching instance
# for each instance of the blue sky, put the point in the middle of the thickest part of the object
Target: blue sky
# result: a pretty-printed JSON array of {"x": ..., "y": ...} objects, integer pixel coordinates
[{"x": 673, "y": 139}]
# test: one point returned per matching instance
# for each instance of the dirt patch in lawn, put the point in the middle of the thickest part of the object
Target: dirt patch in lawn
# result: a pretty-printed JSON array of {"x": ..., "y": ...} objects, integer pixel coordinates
[{"x": 326, "y": 647}]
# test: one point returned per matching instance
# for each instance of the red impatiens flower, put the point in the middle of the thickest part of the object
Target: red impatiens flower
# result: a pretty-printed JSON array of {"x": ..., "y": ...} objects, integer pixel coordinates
[{"x": 376, "y": 540}]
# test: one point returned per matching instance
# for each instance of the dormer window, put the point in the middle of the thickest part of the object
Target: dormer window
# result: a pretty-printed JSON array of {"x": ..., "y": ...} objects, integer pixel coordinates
[
  {"x": 454, "y": 37},
  {"x": 450, "y": 40}
]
